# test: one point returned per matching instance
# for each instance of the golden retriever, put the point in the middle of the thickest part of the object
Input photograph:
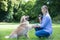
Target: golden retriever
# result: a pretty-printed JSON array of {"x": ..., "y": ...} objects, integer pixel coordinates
[{"x": 22, "y": 29}]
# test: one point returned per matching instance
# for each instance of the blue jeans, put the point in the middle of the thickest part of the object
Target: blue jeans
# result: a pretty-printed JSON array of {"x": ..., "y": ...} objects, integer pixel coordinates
[{"x": 41, "y": 33}]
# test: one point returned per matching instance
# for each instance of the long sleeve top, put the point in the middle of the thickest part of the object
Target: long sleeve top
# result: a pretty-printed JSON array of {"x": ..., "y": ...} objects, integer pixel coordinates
[{"x": 46, "y": 23}]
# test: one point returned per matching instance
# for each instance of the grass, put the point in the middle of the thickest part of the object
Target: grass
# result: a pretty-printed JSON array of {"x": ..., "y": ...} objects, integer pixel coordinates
[{"x": 7, "y": 29}]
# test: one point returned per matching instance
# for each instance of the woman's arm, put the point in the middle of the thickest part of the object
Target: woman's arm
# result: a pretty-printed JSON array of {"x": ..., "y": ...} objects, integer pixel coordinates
[{"x": 44, "y": 23}]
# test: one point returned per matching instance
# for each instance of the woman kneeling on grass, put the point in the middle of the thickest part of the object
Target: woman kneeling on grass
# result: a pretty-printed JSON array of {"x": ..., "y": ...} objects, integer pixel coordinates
[{"x": 44, "y": 29}]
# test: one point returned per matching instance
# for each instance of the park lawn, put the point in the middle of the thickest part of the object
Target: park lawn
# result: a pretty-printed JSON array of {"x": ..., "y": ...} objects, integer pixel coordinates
[{"x": 6, "y": 31}]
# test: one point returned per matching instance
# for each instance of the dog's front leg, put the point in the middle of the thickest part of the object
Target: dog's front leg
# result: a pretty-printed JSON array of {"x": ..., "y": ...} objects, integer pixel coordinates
[
  {"x": 18, "y": 37},
  {"x": 27, "y": 36}
]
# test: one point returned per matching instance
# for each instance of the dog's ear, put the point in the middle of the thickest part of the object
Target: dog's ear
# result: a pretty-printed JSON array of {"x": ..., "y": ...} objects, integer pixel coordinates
[{"x": 22, "y": 19}]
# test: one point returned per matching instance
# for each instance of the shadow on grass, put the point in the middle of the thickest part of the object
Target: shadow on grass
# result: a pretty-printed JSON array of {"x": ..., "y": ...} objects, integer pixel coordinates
[{"x": 55, "y": 35}]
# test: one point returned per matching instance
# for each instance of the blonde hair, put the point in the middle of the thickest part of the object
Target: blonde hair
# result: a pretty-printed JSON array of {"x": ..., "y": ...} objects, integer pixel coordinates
[{"x": 44, "y": 6}]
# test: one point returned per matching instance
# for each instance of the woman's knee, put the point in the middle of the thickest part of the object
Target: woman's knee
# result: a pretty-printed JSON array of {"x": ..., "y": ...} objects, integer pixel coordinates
[
  {"x": 37, "y": 34},
  {"x": 42, "y": 34}
]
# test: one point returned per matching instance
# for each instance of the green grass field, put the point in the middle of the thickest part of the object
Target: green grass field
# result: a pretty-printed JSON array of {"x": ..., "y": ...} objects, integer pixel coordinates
[{"x": 6, "y": 29}]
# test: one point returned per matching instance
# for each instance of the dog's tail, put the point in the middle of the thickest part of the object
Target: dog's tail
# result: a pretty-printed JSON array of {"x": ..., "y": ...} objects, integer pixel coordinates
[
  {"x": 6, "y": 36},
  {"x": 11, "y": 36}
]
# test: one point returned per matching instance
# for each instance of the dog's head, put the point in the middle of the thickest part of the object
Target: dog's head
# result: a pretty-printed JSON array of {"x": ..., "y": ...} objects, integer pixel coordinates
[
  {"x": 27, "y": 18},
  {"x": 24, "y": 18}
]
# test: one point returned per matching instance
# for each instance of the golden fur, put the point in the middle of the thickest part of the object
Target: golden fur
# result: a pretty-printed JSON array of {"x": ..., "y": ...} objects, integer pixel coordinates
[{"x": 22, "y": 29}]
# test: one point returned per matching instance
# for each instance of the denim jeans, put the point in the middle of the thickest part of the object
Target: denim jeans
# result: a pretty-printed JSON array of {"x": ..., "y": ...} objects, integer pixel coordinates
[{"x": 41, "y": 33}]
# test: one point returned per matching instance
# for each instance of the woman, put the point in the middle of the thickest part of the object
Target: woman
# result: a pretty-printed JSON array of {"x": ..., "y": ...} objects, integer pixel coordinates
[{"x": 44, "y": 29}]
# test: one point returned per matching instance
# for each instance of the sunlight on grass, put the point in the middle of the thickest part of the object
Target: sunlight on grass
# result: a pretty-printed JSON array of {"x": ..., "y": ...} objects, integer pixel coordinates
[{"x": 7, "y": 31}]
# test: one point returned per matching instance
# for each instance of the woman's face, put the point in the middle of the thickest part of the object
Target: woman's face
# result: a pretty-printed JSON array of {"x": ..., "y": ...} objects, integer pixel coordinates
[{"x": 44, "y": 10}]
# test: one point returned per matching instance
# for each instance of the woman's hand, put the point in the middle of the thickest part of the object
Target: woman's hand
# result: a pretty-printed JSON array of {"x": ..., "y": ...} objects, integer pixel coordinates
[{"x": 36, "y": 25}]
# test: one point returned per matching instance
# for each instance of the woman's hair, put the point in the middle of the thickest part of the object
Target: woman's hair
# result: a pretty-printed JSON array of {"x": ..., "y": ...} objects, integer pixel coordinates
[{"x": 44, "y": 6}]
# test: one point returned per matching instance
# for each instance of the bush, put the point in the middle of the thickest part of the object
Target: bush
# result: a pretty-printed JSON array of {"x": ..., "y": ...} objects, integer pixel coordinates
[{"x": 12, "y": 10}]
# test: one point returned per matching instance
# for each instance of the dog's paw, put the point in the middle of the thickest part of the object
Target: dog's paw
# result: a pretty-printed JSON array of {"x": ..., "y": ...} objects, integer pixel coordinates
[{"x": 6, "y": 36}]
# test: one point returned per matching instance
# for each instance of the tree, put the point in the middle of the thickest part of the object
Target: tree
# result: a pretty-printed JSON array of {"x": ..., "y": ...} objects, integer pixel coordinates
[{"x": 12, "y": 10}]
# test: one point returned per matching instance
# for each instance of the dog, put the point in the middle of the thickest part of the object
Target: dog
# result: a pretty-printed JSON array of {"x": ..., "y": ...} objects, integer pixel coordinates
[{"x": 22, "y": 29}]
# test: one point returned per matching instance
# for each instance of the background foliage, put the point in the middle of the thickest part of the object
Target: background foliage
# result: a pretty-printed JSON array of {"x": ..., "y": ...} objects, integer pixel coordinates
[{"x": 12, "y": 10}]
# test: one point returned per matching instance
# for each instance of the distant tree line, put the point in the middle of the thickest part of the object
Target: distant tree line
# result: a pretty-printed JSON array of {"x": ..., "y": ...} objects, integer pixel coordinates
[{"x": 12, "y": 10}]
